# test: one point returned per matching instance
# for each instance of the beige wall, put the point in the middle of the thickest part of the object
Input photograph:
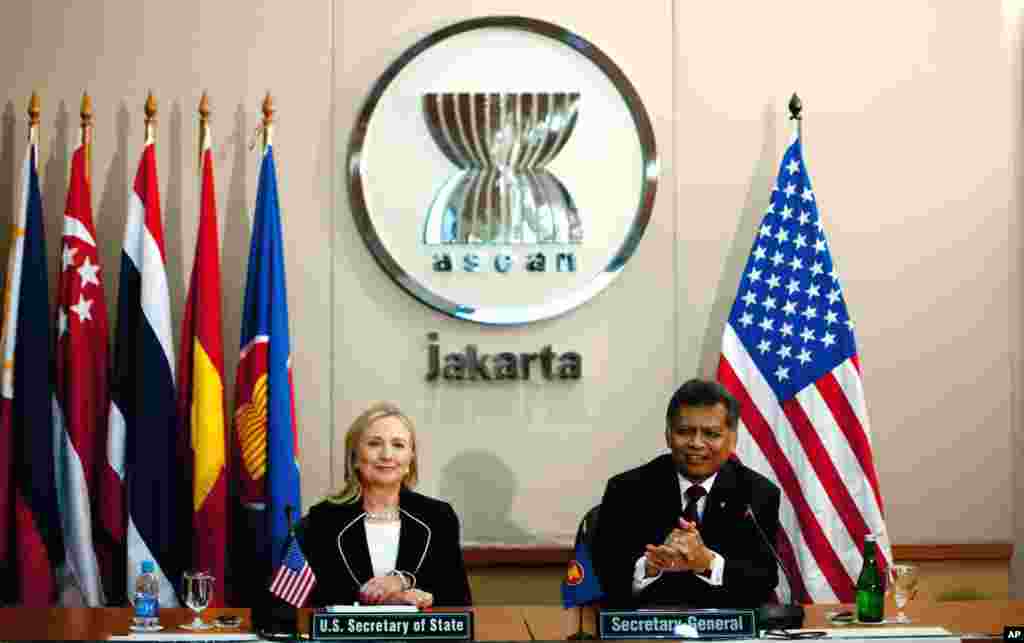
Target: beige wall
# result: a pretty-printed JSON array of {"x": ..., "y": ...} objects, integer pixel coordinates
[{"x": 912, "y": 137}]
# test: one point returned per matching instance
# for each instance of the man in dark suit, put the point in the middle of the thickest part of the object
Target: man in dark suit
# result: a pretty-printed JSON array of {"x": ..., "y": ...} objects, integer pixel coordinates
[{"x": 677, "y": 531}]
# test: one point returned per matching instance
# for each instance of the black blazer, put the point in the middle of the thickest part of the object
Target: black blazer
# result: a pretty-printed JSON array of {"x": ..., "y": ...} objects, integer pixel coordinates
[
  {"x": 643, "y": 505},
  {"x": 334, "y": 542}
]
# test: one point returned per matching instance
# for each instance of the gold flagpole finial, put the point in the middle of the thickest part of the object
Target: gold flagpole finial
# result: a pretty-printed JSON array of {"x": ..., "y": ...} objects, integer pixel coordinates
[
  {"x": 268, "y": 119},
  {"x": 86, "y": 110},
  {"x": 204, "y": 125},
  {"x": 34, "y": 110},
  {"x": 268, "y": 110},
  {"x": 86, "y": 113},
  {"x": 204, "y": 107},
  {"x": 150, "y": 108},
  {"x": 150, "y": 111}
]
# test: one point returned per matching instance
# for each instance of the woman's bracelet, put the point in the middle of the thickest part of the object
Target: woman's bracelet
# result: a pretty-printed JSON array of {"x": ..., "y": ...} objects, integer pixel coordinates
[{"x": 408, "y": 579}]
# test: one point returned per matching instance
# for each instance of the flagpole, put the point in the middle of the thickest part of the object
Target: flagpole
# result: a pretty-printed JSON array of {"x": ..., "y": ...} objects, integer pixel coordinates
[
  {"x": 204, "y": 127},
  {"x": 150, "y": 110},
  {"x": 268, "y": 121},
  {"x": 795, "y": 107},
  {"x": 86, "y": 114}
]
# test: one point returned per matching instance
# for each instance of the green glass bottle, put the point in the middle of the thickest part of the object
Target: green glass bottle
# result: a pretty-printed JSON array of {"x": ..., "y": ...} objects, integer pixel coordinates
[{"x": 870, "y": 591}]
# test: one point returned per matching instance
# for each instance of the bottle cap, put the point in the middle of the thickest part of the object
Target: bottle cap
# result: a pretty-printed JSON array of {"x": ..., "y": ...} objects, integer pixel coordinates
[{"x": 147, "y": 567}]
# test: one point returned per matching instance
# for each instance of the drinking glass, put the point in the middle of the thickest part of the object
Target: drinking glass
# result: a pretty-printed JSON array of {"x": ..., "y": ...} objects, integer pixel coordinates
[
  {"x": 198, "y": 588},
  {"x": 904, "y": 588}
]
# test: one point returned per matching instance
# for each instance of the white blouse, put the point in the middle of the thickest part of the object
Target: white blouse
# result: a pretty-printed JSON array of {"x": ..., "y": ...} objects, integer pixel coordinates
[{"x": 382, "y": 539}]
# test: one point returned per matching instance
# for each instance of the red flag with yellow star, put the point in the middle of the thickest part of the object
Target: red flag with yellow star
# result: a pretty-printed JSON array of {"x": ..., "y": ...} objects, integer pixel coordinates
[{"x": 201, "y": 391}]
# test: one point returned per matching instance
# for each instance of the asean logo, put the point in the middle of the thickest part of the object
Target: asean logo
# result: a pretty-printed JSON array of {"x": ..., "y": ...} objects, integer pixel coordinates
[
  {"x": 502, "y": 170},
  {"x": 574, "y": 575}
]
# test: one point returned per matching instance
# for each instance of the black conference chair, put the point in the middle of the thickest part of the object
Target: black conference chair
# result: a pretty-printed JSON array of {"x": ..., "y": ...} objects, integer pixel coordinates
[
  {"x": 587, "y": 529},
  {"x": 300, "y": 532}
]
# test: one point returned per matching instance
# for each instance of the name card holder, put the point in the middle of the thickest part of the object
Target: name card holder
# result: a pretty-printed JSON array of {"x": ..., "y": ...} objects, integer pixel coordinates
[
  {"x": 678, "y": 624},
  {"x": 412, "y": 626}
]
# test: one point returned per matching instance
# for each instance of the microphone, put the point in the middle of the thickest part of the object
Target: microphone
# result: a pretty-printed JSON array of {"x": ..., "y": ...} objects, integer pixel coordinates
[{"x": 777, "y": 617}]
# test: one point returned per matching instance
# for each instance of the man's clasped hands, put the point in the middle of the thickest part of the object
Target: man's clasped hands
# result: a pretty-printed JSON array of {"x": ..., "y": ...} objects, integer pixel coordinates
[{"x": 682, "y": 551}]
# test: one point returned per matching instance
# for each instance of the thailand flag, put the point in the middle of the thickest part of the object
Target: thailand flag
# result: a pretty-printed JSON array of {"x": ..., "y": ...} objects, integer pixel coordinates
[{"x": 143, "y": 418}]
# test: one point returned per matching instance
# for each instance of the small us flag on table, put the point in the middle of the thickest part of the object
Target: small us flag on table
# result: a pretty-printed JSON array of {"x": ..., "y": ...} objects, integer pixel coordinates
[{"x": 294, "y": 579}]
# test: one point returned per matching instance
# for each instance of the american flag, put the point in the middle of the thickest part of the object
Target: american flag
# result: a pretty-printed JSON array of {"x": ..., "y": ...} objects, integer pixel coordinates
[
  {"x": 294, "y": 579},
  {"x": 789, "y": 356}
]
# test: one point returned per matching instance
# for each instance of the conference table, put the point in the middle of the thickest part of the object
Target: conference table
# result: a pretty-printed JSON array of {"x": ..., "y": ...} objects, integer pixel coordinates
[
  {"x": 971, "y": 621},
  {"x": 968, "y": 620}
]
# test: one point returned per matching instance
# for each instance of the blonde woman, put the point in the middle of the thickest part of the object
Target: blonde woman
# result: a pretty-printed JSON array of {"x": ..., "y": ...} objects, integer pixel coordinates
[{"x": 377, "y": 541}]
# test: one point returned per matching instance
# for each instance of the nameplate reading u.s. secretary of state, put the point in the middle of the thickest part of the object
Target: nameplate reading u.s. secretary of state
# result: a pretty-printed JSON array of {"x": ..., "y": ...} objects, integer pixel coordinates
[{"x": 423, "y": 626}]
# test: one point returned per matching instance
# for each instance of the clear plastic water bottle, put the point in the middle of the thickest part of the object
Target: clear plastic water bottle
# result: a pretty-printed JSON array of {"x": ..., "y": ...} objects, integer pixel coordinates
[{"x": 146, "y": 598}]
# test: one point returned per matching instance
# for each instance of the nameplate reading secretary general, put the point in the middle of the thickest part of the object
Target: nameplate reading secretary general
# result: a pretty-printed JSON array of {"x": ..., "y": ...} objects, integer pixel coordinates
[{"x": 675, "y": 531}]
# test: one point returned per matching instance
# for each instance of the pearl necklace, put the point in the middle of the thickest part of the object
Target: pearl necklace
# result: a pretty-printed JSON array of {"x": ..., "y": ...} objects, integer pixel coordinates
[{"x": 387, "y": 515}]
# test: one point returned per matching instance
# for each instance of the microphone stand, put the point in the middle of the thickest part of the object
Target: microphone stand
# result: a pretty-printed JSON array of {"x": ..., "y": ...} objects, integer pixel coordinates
[{"x": 783, "y": 616}]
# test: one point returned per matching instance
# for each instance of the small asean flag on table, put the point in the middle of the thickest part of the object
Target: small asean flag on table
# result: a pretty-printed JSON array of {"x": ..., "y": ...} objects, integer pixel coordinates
[{"x": 581, "y": 586}]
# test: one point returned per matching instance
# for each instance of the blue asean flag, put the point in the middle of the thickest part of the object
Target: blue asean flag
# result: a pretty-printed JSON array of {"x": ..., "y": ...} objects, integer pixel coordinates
[
  {"x": 581, "y": 586},
  {"x": 269, "y": 447}
]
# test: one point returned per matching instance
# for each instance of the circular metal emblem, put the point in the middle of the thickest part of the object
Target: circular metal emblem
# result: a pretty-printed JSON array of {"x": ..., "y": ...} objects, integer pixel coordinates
[{"x": 503, "y": 170}]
